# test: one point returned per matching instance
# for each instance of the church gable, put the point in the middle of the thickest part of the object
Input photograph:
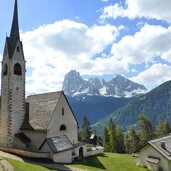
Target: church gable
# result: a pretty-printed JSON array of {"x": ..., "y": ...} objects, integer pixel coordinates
[
  {"x": 63, "y": 121},
  {"x": 41, "y": 108}
]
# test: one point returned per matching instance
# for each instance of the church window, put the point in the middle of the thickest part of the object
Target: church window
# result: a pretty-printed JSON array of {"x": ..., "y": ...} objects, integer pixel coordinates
[
  {"x": 18, "y": 49},
  {"x": 62, "y": 111},
  {"x": 5, "y": 69},
  {"x": 17, "y": 69},
  {"x": 62, "y": 128}
]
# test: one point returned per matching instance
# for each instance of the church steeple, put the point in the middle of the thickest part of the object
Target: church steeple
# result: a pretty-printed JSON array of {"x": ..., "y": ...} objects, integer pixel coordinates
[
  {"x": 12, "y": 110},
  {"x": 15, "y": 27}
]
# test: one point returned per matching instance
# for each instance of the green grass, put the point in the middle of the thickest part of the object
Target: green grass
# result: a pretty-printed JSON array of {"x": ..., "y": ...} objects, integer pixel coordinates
[
  {"x": 110, "y": 162},
  {"x": 23, "y": 166},
  {"x": 104, "y": 162}
]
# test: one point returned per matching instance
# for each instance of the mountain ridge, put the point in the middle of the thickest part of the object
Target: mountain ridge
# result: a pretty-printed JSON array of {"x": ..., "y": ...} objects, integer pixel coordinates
[
  {"x": 156, "y": 104},
  {"x": 119, "y": 86}
]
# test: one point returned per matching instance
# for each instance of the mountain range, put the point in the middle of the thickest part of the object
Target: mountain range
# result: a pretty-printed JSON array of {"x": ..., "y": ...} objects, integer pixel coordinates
[
  {"x": 156, "y": 105},
  {"x": 120, "y": 99},
  {"x": 119, "y": 86},
  {"x": 97, "y": 98}
]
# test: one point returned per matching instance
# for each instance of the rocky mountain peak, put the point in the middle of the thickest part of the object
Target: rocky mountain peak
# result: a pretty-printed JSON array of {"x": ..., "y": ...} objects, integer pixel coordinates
[{"x": 119, "y": 86}]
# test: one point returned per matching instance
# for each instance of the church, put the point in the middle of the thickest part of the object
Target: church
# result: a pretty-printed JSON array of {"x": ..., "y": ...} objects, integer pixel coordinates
[{"x": 41, "y": 124}]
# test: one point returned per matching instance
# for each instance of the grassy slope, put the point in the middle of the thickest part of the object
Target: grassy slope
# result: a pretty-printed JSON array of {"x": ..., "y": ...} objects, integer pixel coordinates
[
  {"x": 107, "y": 162},
  {"x": 23, "y": 166},
  {"x": 110, "y": 162}
]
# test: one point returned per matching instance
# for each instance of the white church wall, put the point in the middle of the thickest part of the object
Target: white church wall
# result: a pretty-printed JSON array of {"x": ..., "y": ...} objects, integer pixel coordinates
[
  {"x": 66, "y": 119},
  {"x": 62, "y": 157},
  {"x": 45, "y": 148}
]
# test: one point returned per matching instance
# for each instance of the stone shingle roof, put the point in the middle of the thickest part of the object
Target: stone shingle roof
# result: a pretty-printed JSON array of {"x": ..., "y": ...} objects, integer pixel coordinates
[
  {"x": 163, "y": 145},
  {"x": 58, "y": 144},
  {"x": 41, "y": 108}
]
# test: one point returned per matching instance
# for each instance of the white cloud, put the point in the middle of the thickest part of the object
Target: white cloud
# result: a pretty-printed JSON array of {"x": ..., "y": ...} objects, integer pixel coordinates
[
  {"x": 53, "y": 50},
  {"x": 105, "y": 0},
  {"x": 151, "y": 41},
  {"x": 156, "y": 9},
  {"x": 155, "y": 75}
]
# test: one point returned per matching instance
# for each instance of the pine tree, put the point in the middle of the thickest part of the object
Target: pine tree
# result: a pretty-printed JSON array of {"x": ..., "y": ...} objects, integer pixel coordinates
[
  {"x": 145, "y": 131},
  {"x": 85, "y": 132},
  {"x": 120, "y": 147},
  {"x": 162, "y": 129},
  {"x": 112, "y": 136},
  {"x": 106, "y": 140},
  {"x": 132, "y": 141}
]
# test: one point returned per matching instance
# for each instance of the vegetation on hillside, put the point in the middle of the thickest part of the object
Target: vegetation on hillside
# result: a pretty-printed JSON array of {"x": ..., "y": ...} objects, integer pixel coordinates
[
  {"x": 156, "y": 105},
  {"x": 115, "y": 141}
]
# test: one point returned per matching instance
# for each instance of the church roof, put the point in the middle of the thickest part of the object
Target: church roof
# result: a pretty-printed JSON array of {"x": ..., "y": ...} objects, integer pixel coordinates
[
  {"x": 23, "y": 138},
  {"x": 14, "y": 34},
  {"x": 15, "y": 27},
  {"x": 58, "y": 144},
  {"x": 41, "y": 108}
]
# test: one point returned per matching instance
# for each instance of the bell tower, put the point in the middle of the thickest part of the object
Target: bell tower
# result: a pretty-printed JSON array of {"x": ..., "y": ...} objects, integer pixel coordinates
[{"x": 12, "y": 85}]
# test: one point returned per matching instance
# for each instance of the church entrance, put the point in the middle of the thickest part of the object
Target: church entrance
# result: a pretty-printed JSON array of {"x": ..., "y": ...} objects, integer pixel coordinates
[{"x": 81, "y": 153}]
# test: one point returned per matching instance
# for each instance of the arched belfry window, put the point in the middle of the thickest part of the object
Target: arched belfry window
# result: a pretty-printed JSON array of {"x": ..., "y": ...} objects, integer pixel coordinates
[
  {"x": 5, "y": 70},
  {"x": 62, "y": 128},
  {"x": 18, "y": 49},
  {"x": 17, "y": 69}
]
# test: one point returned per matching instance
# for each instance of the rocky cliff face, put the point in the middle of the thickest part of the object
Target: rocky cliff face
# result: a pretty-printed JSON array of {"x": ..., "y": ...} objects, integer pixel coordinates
[{"x": 119, "y": 86}]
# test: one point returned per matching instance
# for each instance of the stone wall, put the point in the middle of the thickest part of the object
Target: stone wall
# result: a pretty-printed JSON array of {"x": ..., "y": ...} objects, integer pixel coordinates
[{"x": 26, "y": 153}]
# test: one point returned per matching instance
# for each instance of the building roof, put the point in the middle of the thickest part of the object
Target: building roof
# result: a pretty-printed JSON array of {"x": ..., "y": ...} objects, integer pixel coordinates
[
  {"x": 162, "y": 145},
  {"x": 58, "y": 144},
  {"x": 41, "y": 107},
  {"x": 14, "y": 34},
  {"x": 23, "y": 138}
]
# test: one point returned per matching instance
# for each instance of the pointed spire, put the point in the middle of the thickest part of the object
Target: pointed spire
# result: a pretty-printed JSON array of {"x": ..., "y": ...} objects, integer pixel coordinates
[{"x": 15, "y": 28}]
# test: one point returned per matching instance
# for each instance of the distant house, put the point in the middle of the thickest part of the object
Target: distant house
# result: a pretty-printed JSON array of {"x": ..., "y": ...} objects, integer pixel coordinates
[
  {"x": 156, "y": 155},
  {"x": 93, "y": 139}
]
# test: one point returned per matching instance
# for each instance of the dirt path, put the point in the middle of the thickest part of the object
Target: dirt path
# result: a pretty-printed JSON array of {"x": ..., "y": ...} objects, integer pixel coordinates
[{"x": 5, "y": 165}]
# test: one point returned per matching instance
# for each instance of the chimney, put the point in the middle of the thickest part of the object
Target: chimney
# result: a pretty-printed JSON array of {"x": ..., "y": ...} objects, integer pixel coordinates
[{"x": 163, "y": 145}]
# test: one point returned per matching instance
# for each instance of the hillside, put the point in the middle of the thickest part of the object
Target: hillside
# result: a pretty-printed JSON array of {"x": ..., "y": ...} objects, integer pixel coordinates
[
  {"x": 156, "y": 105},
  {"x": 95, "y": 107}
]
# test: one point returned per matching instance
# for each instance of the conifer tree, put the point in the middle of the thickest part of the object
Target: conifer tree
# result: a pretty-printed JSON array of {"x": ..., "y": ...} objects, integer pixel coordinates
[
  {"x": 112, "y": 136},
  {"x": 132, "y": 141},
  {"x": 106, "y": 140},
  {"x": 85, "y": 132},
  {"x": 162, "y": 129},
  {"x": 145, "y": 131},
  {"x": 120, "y": 147}
]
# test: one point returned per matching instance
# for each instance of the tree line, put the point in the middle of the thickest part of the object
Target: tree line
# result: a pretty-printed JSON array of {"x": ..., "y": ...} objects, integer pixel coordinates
[{"x": 116, "y": 141}]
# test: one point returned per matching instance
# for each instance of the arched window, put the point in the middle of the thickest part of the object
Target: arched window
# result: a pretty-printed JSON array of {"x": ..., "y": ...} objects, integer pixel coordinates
[
  {"x": 17, "y": 69},
  {"x": 62, "y": 128},
  {"x": 5, "y": 69}
]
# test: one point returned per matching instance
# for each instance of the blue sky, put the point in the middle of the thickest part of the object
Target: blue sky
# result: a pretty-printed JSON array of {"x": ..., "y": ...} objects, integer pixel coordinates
[{"x": 95, "y": 37}]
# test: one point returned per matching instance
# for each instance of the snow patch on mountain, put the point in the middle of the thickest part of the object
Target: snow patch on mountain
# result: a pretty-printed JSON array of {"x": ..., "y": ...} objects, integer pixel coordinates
[{"x": 119, "y": 86}]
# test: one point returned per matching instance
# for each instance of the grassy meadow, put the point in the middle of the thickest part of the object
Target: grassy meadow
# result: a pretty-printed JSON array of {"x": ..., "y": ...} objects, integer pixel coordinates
[
  {"x": 103, "y": 162},
  {"x": 110, "y": 162}
]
